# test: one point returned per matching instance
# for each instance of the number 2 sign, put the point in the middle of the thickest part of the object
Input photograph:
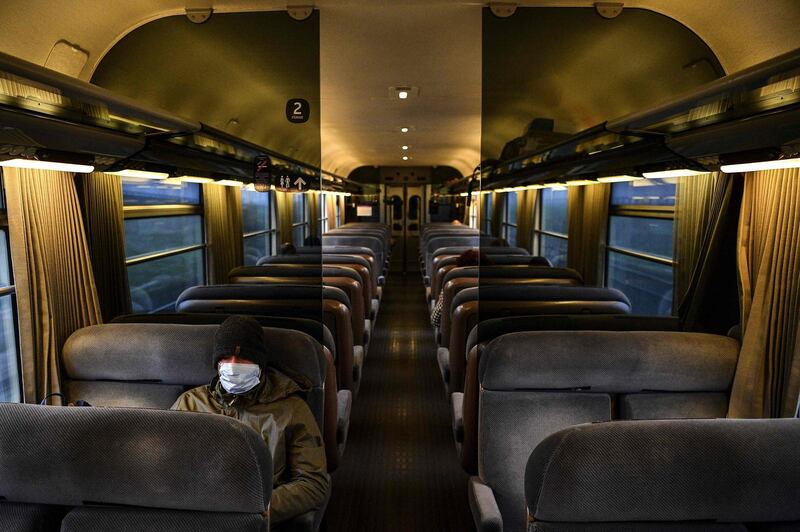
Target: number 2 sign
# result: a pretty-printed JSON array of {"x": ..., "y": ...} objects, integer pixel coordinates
[{"x": 297, "y": 110}]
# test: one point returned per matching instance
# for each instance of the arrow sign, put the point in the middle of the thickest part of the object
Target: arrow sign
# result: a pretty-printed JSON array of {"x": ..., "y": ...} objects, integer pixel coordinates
[{"x": 299, "y": 182}]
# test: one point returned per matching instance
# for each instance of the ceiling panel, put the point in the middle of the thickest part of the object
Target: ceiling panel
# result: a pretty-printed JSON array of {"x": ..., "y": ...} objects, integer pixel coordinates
[{"x": 367, "y": 50}]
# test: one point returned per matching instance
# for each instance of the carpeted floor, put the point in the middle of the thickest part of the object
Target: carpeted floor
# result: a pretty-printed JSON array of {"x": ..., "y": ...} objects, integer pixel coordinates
[{"x": 400, "y": 470}]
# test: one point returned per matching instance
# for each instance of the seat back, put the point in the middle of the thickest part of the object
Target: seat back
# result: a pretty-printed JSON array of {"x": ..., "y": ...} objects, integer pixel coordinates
[
  {"x": 468, "y": 241},
  {"x": 314, "y": 329},
  {"x": 444, "y": 263},
  {"x": 536, "y": 383},
  {"x": 488, "y": 330},
  {"x": 372, "y": 242},
  {"x": 21, "y": 517},
  {"x": 458, "y": 279},
  {"x": 361, "y": 263},
  {"x": 148, "y": 365},
  {"x": 721, "y": 474},
  {"x": 345, "y": 279},
  {"x": 134, "y": 458},
  {"x": 328, "y": 304}
]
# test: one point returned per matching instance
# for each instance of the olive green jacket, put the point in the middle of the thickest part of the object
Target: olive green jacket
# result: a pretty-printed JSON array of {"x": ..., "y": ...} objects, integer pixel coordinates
[{"x": 275, "y": 410}]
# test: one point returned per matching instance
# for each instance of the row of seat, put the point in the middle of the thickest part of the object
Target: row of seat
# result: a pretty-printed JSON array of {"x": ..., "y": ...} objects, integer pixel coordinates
[
  {"x": 526, "y": 351},
  {"x": 317, "y": 316}
]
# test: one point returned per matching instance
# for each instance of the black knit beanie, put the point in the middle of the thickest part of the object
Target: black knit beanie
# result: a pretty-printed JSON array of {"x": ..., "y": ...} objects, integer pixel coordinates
[{"x": 241, "y": 336}]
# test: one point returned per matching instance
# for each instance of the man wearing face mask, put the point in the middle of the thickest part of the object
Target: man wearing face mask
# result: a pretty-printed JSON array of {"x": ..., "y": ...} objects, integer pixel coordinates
[{"x": 245, "y": 388}]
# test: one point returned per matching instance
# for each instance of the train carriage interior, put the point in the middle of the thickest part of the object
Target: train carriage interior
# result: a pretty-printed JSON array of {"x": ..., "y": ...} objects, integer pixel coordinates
[{"x": 399, "y": 265}]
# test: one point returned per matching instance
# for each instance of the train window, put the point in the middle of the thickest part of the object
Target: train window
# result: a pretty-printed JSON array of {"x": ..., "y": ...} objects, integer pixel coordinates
[
  {"x": 486, "y": 214},
  {"x": 258, "y": 225},
  {"x": 164, "y": 242},
  {"x": 551, "y": 229},
  {"x": 509, "y": 226},
  {"x": 10, "y": 381},
  {"x": 299, "y": 218},
  {"x": 640, "y": 244},
  {"x": 323, "y": 213}
]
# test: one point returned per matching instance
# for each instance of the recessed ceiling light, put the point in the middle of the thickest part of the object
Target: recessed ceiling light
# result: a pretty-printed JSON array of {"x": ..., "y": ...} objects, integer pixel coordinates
[
  {"x": 679, "y": 172},
  {"x": 760, "y": 165},
  {"x": 404, "y": 147},
  {"x": 402, "y": 95},
  {"x": 141, "y": 174},
  {"x": 403, "y": 130},
  {"x": 48, "y": 165},
  {"x": 405, "y": 157}
]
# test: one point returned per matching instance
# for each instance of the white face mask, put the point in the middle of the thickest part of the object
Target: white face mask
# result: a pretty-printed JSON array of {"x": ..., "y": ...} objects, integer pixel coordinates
[{"x": 239, "y": 378}]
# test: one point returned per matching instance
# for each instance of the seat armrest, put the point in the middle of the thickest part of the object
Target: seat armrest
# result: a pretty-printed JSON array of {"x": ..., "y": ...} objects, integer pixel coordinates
[
  {"x": 457, "y": 407},
  {"x": 381, "y": 280},
  {"x": 301, "y": 523},
  {"x": 485, "y": 511},
  {"x": 344, "y": 404},
  {"x": 427, "y": 281}
]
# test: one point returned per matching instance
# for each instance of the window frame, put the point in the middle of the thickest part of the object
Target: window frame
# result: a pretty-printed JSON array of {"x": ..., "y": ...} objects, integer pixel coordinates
[
  {"x": 474, "y": 210},
  {"x": 271, "y": 230},
  {"x": 305, "y": 223},
  {"x": 323, "y": 220},
  {"x": 661, "y": 212},
  {"x": 11, "y": 289},
  {"x": 168, "y": 210},
  {"x": 538, "y": 232},
  {"x": 504, "y": 223}
]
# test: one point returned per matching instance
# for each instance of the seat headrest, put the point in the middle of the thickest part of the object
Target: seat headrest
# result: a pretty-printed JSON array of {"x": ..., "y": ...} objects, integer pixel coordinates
[
  {"x": 609, "y": 361},
  {"x": 514, "y": 271},
  {"x": 132, "y": 457},
  {"x": 292, "y": 270},
  {"x": 488, "y": 330},
  {"x": 717, "y": 470},
  {"x": 315, "y": 329},
  {"x": 226, "y": 296},
  {"x": 176, "y": 354},
  {"x": 541, "y": 293},
  {"x": 487, "y": 250}
]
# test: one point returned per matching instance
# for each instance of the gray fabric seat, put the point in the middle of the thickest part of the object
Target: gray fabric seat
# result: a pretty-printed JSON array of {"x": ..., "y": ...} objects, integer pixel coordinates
[
  {"x": 136, "y": 459},
  {"x": 465, "y": 405},
  {"x": 21, "y": 517},
  {"x": 148, "y": 365},
  {"x": 721, "y": 474},
  {"x": 329, "y": 304},
  {"x": 441, "y": 242},
  {"x": 533, "y": 384}
]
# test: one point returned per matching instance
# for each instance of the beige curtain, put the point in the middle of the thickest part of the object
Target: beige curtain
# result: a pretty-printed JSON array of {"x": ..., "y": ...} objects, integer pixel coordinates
[
  {"x": 222, "y": 208},
  {"x": 101, "y": 199},
  {"x": 767, "y": 380},
  {"x": 587, "y": 208},
  {"x": 693, "y": 211},
  {"x": 526, "y": 207},
  {"x": 283, "y": 208},
  {"x": 56, "y": 294},
  {"x": 314, "y": 209},
  {"x": 331, "y": 206}
]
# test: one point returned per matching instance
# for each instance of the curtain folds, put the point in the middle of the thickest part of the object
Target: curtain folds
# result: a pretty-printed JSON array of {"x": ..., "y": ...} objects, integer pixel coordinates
[
  {"x": 526, "y": 205},
  {"x": 767, "y": 381},
  {"x": 56, "y": 291},
  {"x": 694, "y": 211},
  {"x": 283, "y": 207},
  {"x": 222, "y": 207},
  {"x": 588, "y": 225},
  {"x": 101, "y": 199}
]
